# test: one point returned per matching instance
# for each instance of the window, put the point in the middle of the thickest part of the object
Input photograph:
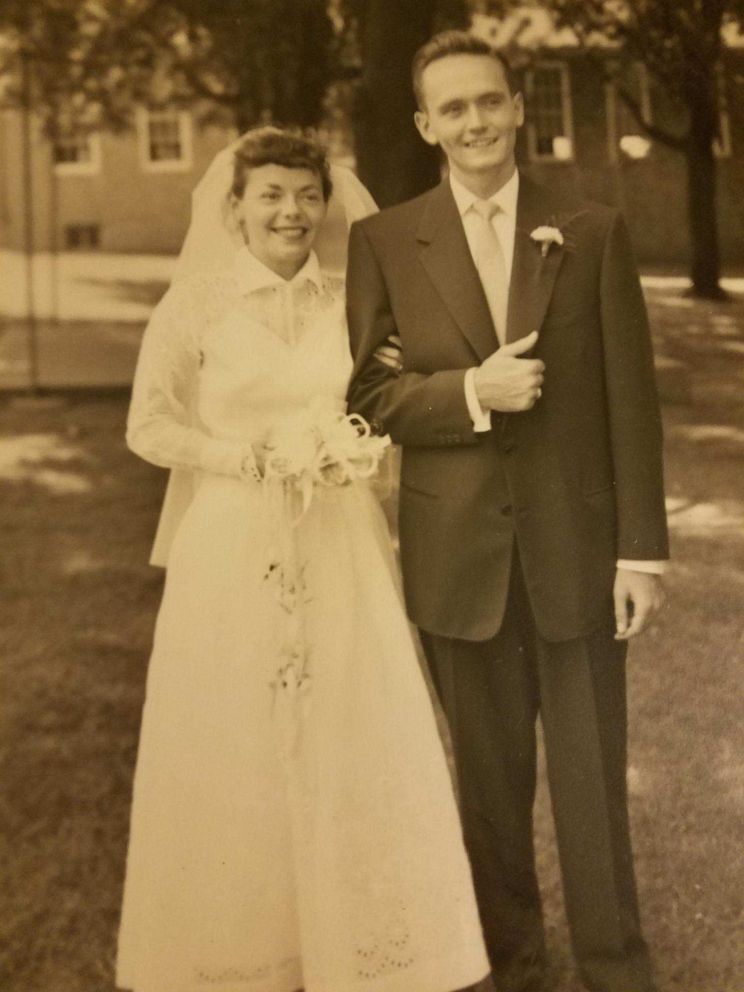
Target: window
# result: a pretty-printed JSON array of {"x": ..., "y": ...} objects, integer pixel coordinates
[
  {"x": 549, "y": 120},
  {"x": 625, "y": 134},
  {"x": 76, "y": 152},
  {"x": 164, "y": 140},
  {"x": 82, "y": 237}
]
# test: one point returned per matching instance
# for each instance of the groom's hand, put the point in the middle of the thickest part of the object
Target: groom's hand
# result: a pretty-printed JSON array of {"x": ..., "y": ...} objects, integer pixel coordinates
[
  {"x": 508, "y": 383},
  {"x": 638, "y": 596}
]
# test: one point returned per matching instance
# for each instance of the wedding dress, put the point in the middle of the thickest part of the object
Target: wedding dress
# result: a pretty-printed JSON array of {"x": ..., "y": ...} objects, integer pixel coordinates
[{"x": 282, "y": 837}]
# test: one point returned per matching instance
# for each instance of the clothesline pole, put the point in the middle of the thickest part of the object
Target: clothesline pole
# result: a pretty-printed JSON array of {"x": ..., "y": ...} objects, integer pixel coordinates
[{"x": 28, "y": 232}]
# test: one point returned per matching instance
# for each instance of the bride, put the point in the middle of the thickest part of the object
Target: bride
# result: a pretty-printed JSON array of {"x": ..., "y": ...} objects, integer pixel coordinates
[{"x": 291, "y": 827}]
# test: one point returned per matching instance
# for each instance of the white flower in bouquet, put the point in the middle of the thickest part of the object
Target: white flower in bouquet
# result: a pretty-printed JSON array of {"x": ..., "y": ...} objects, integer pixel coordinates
[
  {"x": 290, "y": 450},
  {"x": 322, "y": 446}
]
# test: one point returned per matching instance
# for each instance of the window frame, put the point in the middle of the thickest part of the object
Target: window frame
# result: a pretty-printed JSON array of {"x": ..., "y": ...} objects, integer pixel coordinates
[
  {"x": 87, "y": 167},
  {"x": 185, "y": 138},
  {"x": 567, "y": 119},
  {"x": 88, "y": 227}
]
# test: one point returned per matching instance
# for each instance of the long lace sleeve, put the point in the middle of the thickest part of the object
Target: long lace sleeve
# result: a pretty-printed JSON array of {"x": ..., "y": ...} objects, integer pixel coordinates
[{"x": 162, "y": 427}]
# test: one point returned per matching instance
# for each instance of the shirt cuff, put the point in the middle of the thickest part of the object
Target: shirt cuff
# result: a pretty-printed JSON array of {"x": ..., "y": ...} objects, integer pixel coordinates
[
  {"x": 650, "y": 567},
  {"x": 481, "y": 418}
]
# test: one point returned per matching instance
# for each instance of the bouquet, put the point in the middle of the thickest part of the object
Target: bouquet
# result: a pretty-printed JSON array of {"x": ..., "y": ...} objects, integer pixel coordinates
[{"x": 321, "y": 447}]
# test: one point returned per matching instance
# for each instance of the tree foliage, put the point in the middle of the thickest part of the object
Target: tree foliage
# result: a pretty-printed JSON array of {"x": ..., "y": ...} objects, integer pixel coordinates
[
  {"x": 679, "y": 42},
  {"x": 90, "y": 61},
  {"x": 257, "y": 59}
]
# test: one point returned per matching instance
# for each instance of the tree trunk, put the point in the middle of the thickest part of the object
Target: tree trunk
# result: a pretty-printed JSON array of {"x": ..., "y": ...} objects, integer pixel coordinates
[
  {"x": 705, "y": 268},
  {"x": 300, "y": 61},
  {"x": 392, "y": 160}
]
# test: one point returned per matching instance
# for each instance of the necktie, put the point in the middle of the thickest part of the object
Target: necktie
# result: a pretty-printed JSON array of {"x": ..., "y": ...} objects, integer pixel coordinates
[{"x": 488, "y": 256}]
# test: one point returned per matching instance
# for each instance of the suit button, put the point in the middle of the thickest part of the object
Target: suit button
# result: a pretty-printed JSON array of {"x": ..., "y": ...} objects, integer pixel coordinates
[
  {"x": 506, "y": 511},
  {"x": 508, "y": 447}
]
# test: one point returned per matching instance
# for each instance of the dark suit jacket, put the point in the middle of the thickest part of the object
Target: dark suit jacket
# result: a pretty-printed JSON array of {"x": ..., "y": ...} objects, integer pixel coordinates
[{"x": 577, "y": 480}]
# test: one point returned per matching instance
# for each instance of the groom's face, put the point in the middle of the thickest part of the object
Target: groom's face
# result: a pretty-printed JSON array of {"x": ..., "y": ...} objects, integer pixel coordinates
[{"x": 470, "y": 111}]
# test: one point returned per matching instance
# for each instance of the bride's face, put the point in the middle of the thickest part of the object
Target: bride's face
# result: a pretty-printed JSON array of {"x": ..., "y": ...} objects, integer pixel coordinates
[{"x": 279, "y": 215}]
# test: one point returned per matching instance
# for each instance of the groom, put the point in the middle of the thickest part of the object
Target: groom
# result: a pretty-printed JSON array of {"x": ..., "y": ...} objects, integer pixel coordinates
[{"x": 500, "y": 336}]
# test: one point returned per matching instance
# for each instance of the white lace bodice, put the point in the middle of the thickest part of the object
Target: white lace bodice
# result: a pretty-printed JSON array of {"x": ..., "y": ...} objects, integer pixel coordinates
[{"x": 226, "y": 355}]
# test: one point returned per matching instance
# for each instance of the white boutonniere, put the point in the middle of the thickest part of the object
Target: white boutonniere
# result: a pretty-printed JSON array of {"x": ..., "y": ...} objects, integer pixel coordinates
[{"x": 547, "y": 236}]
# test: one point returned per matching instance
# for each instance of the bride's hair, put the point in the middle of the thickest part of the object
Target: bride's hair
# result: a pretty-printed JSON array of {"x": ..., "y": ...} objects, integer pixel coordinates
[{"x": 293, "y": 149}]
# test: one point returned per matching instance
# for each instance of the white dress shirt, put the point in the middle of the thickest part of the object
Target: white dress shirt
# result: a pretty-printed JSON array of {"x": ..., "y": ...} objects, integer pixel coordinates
[{"x": 505, "y": 225}]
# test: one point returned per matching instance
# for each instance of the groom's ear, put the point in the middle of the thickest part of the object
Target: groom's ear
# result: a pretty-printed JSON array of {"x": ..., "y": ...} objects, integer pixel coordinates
[
  {"x": 421, "y": 120},
  {"x": 519, "y": 108}
]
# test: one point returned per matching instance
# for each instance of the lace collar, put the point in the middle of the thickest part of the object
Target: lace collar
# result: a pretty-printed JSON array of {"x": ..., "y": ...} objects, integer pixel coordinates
[{"x": 252, "y": 275}]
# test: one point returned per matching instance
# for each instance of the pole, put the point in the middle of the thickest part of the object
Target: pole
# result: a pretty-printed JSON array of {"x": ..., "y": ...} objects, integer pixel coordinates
[
  {"x": 54, "y": 313},
  {"x": 28, "y": 215}
]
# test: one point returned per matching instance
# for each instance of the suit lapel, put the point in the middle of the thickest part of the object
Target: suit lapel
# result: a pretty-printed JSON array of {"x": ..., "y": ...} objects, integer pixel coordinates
[
  {"x": 446, "y": 257},
  {"x": 533, "y": 275}
]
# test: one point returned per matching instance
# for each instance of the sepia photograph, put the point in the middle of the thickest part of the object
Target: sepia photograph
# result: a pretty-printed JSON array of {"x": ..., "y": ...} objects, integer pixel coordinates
[{"x": 372, "y": 495}]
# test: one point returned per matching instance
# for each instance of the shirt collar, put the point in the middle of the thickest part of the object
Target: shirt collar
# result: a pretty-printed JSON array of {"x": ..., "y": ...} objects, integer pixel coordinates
[
  {"x": 505, "y": 198},
  {"x": 253, "y": 275}
]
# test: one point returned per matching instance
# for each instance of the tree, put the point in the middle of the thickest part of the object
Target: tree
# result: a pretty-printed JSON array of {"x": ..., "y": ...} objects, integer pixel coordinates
[
  {"x": 256, "y": 59},
  {"x": 680, "y": 43},
  {"x": 392, "y": 159}
]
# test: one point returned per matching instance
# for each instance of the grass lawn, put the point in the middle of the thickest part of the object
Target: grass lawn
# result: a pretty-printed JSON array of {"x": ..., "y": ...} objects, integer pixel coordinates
[{"x": 77, "y": 514}]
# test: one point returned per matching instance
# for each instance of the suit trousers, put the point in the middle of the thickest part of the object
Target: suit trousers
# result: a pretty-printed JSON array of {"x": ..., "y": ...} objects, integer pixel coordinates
[{"x": 492, "y": 693}]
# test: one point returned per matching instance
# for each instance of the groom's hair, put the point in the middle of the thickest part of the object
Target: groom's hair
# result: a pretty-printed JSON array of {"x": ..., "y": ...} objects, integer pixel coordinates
[
  {"x": 455, "y": 43},
  {"x": 291, "y": 147}
]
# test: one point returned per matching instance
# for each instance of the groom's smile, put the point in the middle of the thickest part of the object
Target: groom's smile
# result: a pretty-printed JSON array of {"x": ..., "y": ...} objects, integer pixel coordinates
[{"x": 480, "y": 142}]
